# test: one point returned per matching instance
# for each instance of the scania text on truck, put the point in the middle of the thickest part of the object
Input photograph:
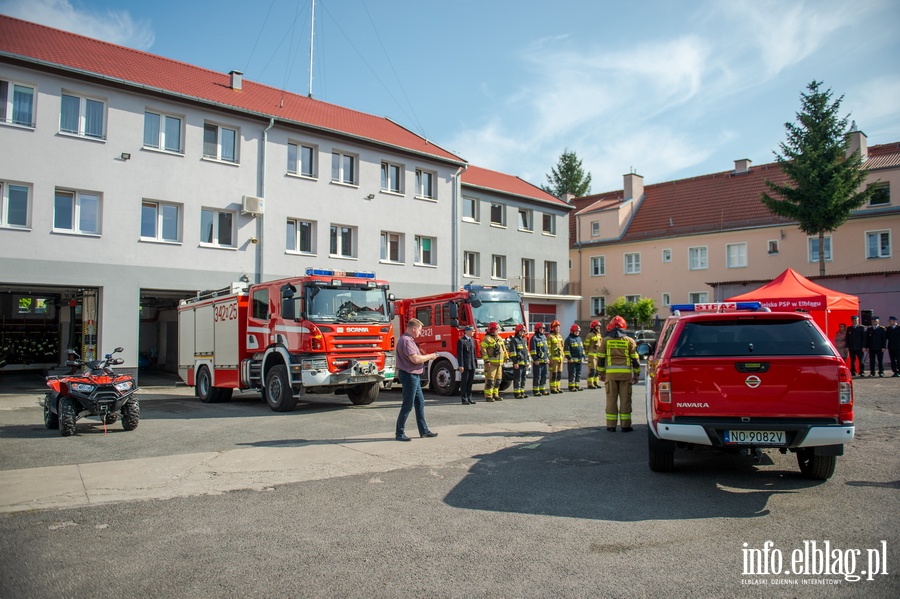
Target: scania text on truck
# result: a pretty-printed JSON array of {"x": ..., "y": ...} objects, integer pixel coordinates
[
  {"x": 443, "y": 317},
  {"x": 329, "y": 332}
]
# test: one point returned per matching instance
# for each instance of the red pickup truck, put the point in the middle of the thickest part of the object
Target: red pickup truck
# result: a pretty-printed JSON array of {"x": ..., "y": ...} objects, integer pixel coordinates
[{"x": 735, "y": 375}]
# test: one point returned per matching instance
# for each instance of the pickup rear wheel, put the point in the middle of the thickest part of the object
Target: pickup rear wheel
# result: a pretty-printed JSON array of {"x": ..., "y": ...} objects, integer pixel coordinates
[
  {"x": 818, "y": 467},
  {"x": 443, "y": 378},
  {"x": 660, "y": 460},
  {"x": 363, "y": 395},
  {"x": 278, "y": 392}
]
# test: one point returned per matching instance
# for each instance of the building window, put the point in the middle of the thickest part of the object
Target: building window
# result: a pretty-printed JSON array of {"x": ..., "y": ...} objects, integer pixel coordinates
[
  {"x": 302, "y": 160},
  {"x": 76, "y": 212},
  {"x": 160, "y": 221},
  {"x": 15, "y": 205},
  {"x": 666, "y": 299},
  {"x": 632, "y": 299},
  {"x": 498, "y": 267},
  {"x": 697, "y": 258},
  {"x": 391, "y": 246},
  {"x": 528, "y": 275},
  {"x": 551, "y": 280},
  {"x": 526, "y": 220},
  {"x": 773, "y": 246},
  {"x": 343, "y": 168},
  {"x": 633, "y": 263},
  {"x": 391, "y": 177},
  {"x": 217, "y": 227},
  {"x": 548, "y": 224},
  {"x": 471, "y": 263},
  {"x": 343, "y": 240},
  {"x": 598, "y": 266},
  {"x": 16, "y": 103},
  {"x": 470, "y": 209},
  {"x": 667, "y": 255},
  {"x": 598, "y": 306},
  {"x": 299, "y": 236},
  {"x": 162, "y": 132},
  {"x": 814, "y": 248},
  {"x": 498, "y": 215},
  {"x": 878, "y": 244},
  {"x": 882, "y": 194},
  {"x": 425, "y": 250},
  {"x": 220, "y": 143},
  {"x": 595, "y": 228},
  {"x": 736, "y": 255},
  {"x": 425, "y": 184},
  {"x": 81, "y": 116},
  {"x": 698, "y": 297}
]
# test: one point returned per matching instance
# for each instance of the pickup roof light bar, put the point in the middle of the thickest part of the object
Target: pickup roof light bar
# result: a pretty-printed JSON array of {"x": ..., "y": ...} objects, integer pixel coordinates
[
  {"x": 716, "y": 307},
  {"x": 327, "y": 272}
]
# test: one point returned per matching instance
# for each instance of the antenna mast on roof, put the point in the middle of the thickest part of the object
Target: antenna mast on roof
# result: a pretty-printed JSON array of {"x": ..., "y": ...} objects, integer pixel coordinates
[{"x": 312, "y": 29}]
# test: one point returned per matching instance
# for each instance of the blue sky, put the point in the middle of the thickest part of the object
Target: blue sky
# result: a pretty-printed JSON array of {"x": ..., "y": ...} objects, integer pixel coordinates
[{"x": 665, "y": 89}]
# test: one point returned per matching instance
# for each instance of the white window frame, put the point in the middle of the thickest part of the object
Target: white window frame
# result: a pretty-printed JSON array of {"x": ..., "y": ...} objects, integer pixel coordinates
[
  {"x": 5, "y": 204},
  {"x": 216, "y": 237},
  {"x": 502, "y": 221},
  {"x": 698, "y": 257},
  {"x": 526, "y": 220},
  {"x": 773, "y": 246},
  {"x": 471, "y": 264},
  {"x": 632, "y": 263},
  {"x": 426, "y": 184},
  {"x": 473, "y": 205},
  {"x": 162, "y": 132},
  {"x": 498, "y": 267},
  {"x": 81, "y": 128},
  {"x": 548, "y": 229},
  {"x": 698, "y": 297},
  {"x": 813, "y": 253},
  {"x": 666, "y": 299},
  {"x": 426, "y": 257},
  {"x": 666, "y": 255},
  {"x": 337, "y": 242},
  {"x": 79, "y": 211},
  {"x": 298, "y": 164},
  {"x": 162, "y": 212},
  {"x": 294, "y": 236},
  {"x": 633, "y": 298},
  {"x": 598, "y": 305},
  {"x": 8, "y": 112},
  {"x": 221, "y": 155},
  {"x": 885, "y": 185},
  {"x": 392, "y": 177},
  {"x": 595, "y": 228},
  {"x": 879, "y": 253},
  {"x": 738, "y": 260},
  {"x": 387, "y": 239},
  {"x": 598, "y": 266},
  {"x": 339, "y": 167}
]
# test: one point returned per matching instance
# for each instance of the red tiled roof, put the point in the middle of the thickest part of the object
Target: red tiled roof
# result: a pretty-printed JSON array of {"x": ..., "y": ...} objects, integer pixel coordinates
[
  {"x": 475, "y": 176},
  {"x": 883, "y": 156},
  {"x": 36, "y": 43}
]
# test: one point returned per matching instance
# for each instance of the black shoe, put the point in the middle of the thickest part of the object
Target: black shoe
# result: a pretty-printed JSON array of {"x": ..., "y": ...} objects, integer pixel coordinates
[
  {"x": 627, "y": 429},
  {"x": 428, "y": 434},
  {"x": 403, "y": 438},
  {"x": 880, "y": 374},
  {"x": 465, "y": 402},
  {"x": 610, "y": 429},
  {"x": 895, "y": 374}
]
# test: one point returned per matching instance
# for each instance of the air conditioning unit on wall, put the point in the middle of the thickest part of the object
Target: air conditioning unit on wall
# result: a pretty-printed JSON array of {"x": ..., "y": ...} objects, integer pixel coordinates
[{"x": 252, "y": 205}]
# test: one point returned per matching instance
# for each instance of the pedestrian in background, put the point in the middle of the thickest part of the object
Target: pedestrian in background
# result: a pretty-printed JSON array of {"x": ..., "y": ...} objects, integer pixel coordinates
[
  {"x": 540, "y": 356},
  {"x": 893, "y": 345},
  {"x": 410, "y": 364},
  {"x": 856, "y": 342},
  {"x": 840, "y": 341},
  {"x": 876, "y": 341},
  {"x": 517, "y": 346},
  {"x": 465, "y": 353}
]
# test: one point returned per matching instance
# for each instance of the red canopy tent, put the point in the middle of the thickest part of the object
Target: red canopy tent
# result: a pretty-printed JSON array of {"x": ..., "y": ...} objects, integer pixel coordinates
[{"x": 791, "y": 291}]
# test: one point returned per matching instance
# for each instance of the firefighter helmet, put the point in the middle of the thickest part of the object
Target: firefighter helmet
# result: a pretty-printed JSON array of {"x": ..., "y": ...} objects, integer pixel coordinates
[
  {"x": 492, "y": 327},
  {"x": 555, "y": 323},
  {"x": 616, "y": 323},
  {"x": 539, "y": 326},
  {"x": 574, "y": 328},
  {"x": 595, "y": 324},
  {"x": 520, "y": 327}
]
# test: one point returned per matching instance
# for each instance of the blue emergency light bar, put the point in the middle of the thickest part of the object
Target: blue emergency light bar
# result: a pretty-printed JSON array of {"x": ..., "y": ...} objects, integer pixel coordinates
[
  {"x": 471, "y": 287},
  {"x": 327, "y": 272},
  {"x": 716, "y": 307}
]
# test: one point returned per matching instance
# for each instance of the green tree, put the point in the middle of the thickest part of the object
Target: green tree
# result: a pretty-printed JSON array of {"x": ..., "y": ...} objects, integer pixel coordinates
[
  {"x": 637, "y": 314},
  {"x": 823, "y": 181},
  {"x": 568, "y": 177}
]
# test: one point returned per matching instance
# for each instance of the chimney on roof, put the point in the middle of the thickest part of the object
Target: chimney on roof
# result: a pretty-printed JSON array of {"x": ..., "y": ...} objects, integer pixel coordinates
[
  {"x": 858, "y": 142},
  {"x": 568, "y": 197},
  {"x": 742, "y": 165},
  {"x": 237, "y": 79},
  {"x": 634, "y": 186}
]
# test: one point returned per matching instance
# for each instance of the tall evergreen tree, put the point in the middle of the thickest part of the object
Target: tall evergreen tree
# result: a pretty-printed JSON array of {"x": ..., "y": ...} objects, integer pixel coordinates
[
  {"x": 824, "y": 182},
  {"x": 568, "y": 177}
]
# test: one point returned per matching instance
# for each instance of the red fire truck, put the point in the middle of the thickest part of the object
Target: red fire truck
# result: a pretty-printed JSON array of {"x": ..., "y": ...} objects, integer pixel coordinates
[
  {"x": 326, "y": 332},
  {"x": 443, "y": 317}
]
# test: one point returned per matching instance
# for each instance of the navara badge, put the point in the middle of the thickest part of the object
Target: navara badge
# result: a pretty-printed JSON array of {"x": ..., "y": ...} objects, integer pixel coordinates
[{"x": 753, "y": 381}]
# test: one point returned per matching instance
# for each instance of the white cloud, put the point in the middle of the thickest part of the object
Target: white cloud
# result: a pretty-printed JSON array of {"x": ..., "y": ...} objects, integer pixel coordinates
[{"x": 116, "y": 26}]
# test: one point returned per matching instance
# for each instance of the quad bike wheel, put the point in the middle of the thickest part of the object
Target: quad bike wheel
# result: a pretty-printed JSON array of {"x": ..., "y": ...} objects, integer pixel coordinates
[
  {"x": 67, "y": 415},
  {"x": 51, "y": 420},
  {"x": 131, "y": 414}
]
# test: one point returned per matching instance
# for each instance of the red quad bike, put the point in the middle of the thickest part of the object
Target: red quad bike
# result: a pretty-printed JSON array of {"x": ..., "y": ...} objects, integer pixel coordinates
[{"x": 98, "y": 391}]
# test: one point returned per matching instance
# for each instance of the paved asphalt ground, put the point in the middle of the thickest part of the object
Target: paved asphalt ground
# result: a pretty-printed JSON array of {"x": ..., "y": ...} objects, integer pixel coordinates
[{"x": 522, "y": 498}]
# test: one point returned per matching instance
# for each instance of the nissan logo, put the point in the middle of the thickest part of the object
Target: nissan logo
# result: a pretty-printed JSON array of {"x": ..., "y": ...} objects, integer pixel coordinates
[{"x": 753, "y": 381}]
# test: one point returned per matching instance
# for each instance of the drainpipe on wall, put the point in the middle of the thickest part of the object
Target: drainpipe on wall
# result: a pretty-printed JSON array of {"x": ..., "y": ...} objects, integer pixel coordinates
[
  {"x": 261, "y": 190},
  {"x": 454, "y": 228}
]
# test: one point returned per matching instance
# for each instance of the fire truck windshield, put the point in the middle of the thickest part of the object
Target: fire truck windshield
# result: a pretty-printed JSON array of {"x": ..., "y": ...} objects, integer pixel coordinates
[
  {"x": 346, "y": 305},
  {"x": 506, "y": 314}
]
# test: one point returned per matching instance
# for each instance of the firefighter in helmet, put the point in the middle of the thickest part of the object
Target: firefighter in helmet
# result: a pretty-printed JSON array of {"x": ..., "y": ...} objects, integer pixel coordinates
[
  {"x": 619, "y": 368},
  {"x": 494, "y": 354},
  {"x": 555, "y": 347},
  {"x": 539, "y": 358},
  {"x": 574, "y": 352},
  {"x": 592, "y": 350},
  {"x": 517, "y": 346}
]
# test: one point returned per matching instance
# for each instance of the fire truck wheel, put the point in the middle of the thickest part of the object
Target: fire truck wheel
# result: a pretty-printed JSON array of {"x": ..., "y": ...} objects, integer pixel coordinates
[
  {"x": 67, "y": 416},
  {"x": 279, "y": 394},
  {"x": 51, "y": 420},
  {"x": 205, "y": 390},
  {"x": 363, "y": 395},
  {"x": 818, "y": 467},
  {"x": 443, "y": 379},
  {"x": 131, "y": 414}
]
